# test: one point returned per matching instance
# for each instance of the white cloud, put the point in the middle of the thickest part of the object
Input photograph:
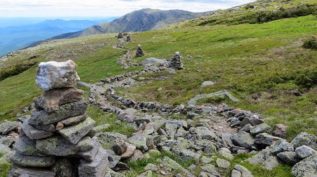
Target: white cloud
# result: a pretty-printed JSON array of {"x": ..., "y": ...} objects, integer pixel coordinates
[{"x": 103, "y": 8}]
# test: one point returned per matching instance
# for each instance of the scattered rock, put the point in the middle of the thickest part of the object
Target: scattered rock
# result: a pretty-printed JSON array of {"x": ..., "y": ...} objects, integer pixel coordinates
[
  {"x": 305, "y": 139},
  {"x": 243, "y": 139},
  {"x": 304, "y": 151},
  {"x": 264, "y": 139},
  {"x": 221, "y": 163},
  {"x": 306, "y": 167},
  {"x": 207, "y": 84},
  {"x": 288, "y": 157},
  {"x": 240, "y": 171},
  {"x": 265, "y": 159},
  {"x": 280, "y": 130},
  {"x": 262, "y": 128},
  {"x": 7, "y": 126},
  {"x": 281, "y": 146}
]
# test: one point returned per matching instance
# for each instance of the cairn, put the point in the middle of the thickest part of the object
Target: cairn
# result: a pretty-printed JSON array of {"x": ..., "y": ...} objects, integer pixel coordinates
[
  {"x": 176, "y": 62},
  {"x": 55, "y": 141},
  {"x": 139, "y": 52}
]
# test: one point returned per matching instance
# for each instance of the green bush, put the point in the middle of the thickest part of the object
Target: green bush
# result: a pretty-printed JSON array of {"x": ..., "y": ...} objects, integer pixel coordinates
[
  {"x": 16, "y": 69},
  {"x": 310, "y": 43},
  {"x": 307, "y": 79}
]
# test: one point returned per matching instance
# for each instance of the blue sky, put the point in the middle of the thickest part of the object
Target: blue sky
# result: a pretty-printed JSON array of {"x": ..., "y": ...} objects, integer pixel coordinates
[{"x": 104, "y": 8}]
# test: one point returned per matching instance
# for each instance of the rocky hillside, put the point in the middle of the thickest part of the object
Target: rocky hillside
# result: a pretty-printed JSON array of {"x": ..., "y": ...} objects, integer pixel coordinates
[{"x": 141, "y": 20}]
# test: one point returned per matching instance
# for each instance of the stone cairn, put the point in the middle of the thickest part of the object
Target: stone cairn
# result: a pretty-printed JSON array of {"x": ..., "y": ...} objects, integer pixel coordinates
[
  {"x": 176, "y": 62},
  {"x": 55, "y": 141},
  {"x": 139, "y": 52}
]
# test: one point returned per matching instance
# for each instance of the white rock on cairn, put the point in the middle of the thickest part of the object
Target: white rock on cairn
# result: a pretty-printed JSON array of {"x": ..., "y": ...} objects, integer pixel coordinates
[{"x": 52, "y": 75}]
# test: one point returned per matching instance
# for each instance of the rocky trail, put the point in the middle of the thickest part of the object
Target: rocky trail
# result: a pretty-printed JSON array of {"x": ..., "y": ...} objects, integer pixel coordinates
[{"x": 207, "y": 136}]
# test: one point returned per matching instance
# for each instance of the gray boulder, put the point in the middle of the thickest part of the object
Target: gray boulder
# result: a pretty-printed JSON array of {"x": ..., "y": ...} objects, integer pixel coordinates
[
  {"x": 281, "y": 146},
  {"x": 304, "y": 151},
  {"x": 264, "y": 139},
  {"x": 96, "y": 168},
  {"x": 27, "y": 172},
  {"x": 26, "y": 146},
  {"x": 288, "y": 157},
  {"x": 34, "y": 133},
  {"x": 53, "y": 75},
  {"x": 139, "y": 140},
  {"x": 243, "y": 139},
  {"x": 240, "y": 171},
  {"x": 306, "y": 167},
  {"x": 265, "y": 158}
]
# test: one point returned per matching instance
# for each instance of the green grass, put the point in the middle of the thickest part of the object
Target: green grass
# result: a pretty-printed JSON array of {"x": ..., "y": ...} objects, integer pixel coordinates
[
  {"x": 4, "y": 167},
  {"x": 108, "y": 118},
  {"x": 248, "y": 59}
]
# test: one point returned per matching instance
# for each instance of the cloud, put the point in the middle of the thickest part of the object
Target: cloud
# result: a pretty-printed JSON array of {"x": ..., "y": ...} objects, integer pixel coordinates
[{"x": 103, "y": 8}]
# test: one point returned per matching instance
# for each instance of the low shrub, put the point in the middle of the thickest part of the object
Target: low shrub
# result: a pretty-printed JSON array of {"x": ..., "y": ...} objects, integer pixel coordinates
[{"x": 310, "y": 43}]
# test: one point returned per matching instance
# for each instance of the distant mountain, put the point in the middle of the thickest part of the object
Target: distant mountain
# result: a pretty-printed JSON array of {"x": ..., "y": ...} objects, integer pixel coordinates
[
  {"x": 141, "y": 20},
  {"x": 20, "y": 36}
]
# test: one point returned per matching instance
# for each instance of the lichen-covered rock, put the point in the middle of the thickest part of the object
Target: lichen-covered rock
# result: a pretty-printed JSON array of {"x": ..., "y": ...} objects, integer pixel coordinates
[
  {"x": 280, "y": 130},
  {"x": 8, "y": 126},
  {"x": 288, "y": 157},
  {"x": 34, "y": 172},
  {"x": 58, "y": 146},
  {"x": 96, "y": 168},
  {"x": 34, "y": 133},
  {"x": 304, "y": 151},
  {"x": 265, "y": 158},
  {"x": 305, "y": 139},
  {"x": 281, "y": 146},
  {"x": 26, "y": 146},
  {"x": 39, "y": 118},
  {"x": 32, "y": 161},
  {"x": 64, "y": 168},
  {"x": 262, "y": 128},
  {"x": 306, "y": 167},
  {"x": 75, "y": 133},
  {"x": 240, "y": 171},
  {"x": 52, "y": 75},
  {"x": 52, "y": 99}
]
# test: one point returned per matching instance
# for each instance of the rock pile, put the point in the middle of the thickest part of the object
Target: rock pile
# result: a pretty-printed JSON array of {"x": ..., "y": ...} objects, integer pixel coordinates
[
  {"x": 55, "y": 141},
  {"x": 176, "y": 62}
]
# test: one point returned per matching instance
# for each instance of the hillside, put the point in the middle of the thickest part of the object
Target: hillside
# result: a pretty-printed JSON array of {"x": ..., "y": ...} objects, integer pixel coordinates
[
  {"x": 257, "y": 12},
  {"x": 270, "y": 67},
  {"x": 141, "y": 20}
]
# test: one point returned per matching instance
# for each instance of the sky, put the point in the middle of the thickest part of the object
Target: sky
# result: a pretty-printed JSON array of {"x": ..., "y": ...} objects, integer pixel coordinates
[{"x": 104, "y": 8}]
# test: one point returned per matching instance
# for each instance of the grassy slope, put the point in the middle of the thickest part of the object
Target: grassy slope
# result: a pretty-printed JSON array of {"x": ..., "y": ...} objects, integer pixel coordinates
[{"x": 245, "y": 59}]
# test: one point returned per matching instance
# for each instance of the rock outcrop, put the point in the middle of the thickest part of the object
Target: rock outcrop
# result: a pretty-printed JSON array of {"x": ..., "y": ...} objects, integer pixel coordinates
[{"x": 55, "y": 140}]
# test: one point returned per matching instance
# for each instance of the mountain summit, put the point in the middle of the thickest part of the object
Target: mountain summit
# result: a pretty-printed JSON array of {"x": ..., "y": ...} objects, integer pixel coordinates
[{"x": 140, "y": 20}]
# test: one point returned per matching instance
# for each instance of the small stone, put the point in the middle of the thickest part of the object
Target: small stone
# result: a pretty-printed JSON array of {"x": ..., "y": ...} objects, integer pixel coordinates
[
  {"x": 101, "y": 128},
  {"x": 32, "y": 161},
  {"x": 64, "y": 112},
  {"x": 73, "y": 120},
  {"x": 243, "y": 139},
  {"x": 210, "y": 169},
  {"x": 206, "y": 160},
  {"x": 265, "y": 159},
  {"x": 34, "y": 133},
  {"x": 90, "y": 155},
  {"x": 204, "y": 133},
  {"x": 109, "y": 139},
  {"x": 262, "y": 128},
  {"x": 264, "y": 139},
  {"x": 7, "y": 126},
  {"x": 151, "y": 167},
  {"x": 207, "y": 84},
  {"x": 75, "y": 133},
  {"x": 59, "y": 126},
  {"x": 280, "y": 130},
  {"x": 138, "y": 155},
  {"x": 304, "y": 151},
  {"x": 221, "y": 163},
  {"x": 288, "y": 157},
  {"x": 51, "y": 75}
]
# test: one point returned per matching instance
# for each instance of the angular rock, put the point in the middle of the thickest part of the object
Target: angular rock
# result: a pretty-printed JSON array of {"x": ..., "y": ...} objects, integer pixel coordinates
[
  {"x": 64, "y": 112},
  {"x": 264, "y": 139},
  {"x": 281, "y": 146},
  {"x": 24, "y": 172},
  {"x": 226, "y": 153},
  {"x": 32, "y": 161},
  {"x": 75, "y": 133},
  {"x": 262, "y": 128},
  {"x": 53, "y": 99},
  {"x": 207, "y": 84},
  {"x": 243, "y": 139},
  {"x": 139, "y": 140},
  {"x": 91, "y": 154},
  {"x": 204, "y": 133},
  {"x": 96, "y": 168},
  {"x": 34, "y": 133},
  {"x": 175, "y": 166},
  {"x": 52, "y": 75},
  {"x": 304, "y": 151},
  {"x": 306, "y": 167},
  {"x": 109, "y": 139},
  {"x": 288, "y": 157},
  {"x": 129, "y": 151},
  {"x": 253, "y": 120},
  {"x": 210, "y": 169},
  {"x": 73, "y": 120},
  {"x": 7, "y": 126},
  {"x": 305, "y": 139},
  {"x": 58, "y": 146},
  {"x": 120, "y": 147}
]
